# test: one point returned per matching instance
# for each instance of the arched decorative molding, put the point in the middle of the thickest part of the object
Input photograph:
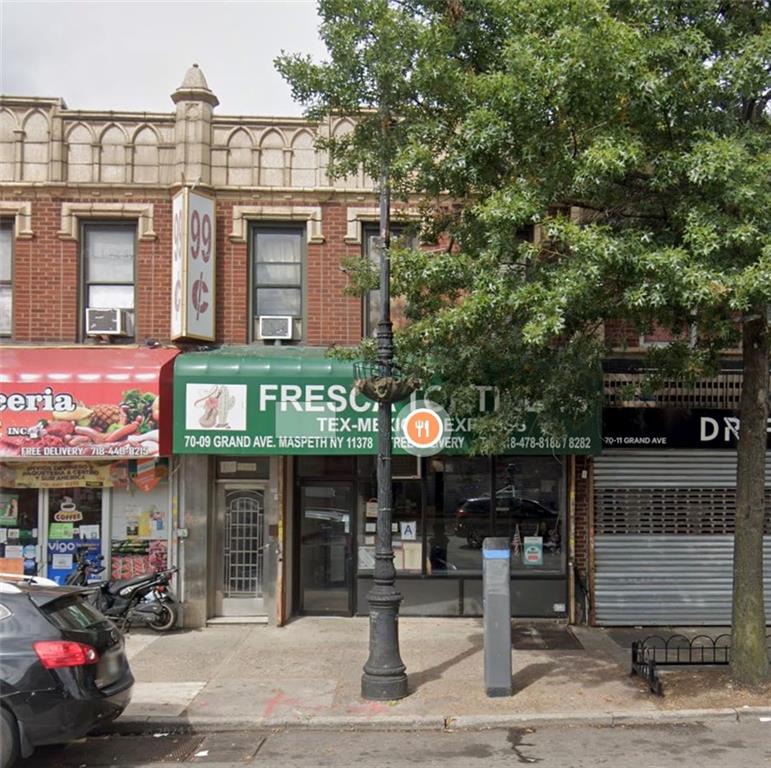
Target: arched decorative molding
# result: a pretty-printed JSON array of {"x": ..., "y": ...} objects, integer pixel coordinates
[
  {"x": 145, "y": 155},
  {"x": 273, "y": 160},
  {"x": 112, "y": 154},
  {"x": 79, "y": 141},
  {"x": 233, "y": 140},
  {"x": 8, "y": 119},
  {"x": 357, "y": 217},
  {"x": 35, "y": 132},
  {"x": 9, "y": 133},
  {"x": 72, "y": 213},
  {"x": 240, "y": 158},
  {"x": 81, "y": 128},
  {"x": 143, "y": 130},
  {"x": 113, "y": 128},
  {"x": 273, "y": 138},
  {"x": 243, "y": 214},
  {"x": 35, "y": 125},
  {"x": 342, "y": 127},
  {"x": 22, "y": 217},
  {"x": 303, "y": 160}
]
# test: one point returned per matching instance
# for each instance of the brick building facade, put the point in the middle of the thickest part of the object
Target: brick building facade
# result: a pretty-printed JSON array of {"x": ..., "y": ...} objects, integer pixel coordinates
[{"x": 74, "y": 183}]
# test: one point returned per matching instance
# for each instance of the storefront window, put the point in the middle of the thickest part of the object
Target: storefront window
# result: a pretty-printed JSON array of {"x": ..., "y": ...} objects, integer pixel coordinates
[
  {"x": 19, "y": 531},
  {"x": 406, "y": 520},
  {"x": 528, "y": 504},
  {"x": 74, "y": 520},
  {"x": 457, "y": 514},
  {"x": 140, "y": 530}
]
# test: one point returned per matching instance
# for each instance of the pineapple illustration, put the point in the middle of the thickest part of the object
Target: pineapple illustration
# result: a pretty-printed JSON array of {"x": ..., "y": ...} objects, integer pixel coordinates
[{"x": 104, "y": 416}]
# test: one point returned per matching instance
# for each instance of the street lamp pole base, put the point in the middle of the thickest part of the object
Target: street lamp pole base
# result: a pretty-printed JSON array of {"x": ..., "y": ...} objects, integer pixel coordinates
[
  {"x": 377, "y": 688},
  {"x": 384, "y": 677}
]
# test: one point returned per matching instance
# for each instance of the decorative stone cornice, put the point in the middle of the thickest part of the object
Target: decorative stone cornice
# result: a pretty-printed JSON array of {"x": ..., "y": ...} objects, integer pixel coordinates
[
  {"x": 73, "y": 212},
  {"x": 242, "y": 214},
  {"x": 357, "y": 216},
  {"x": 22, "y": 217}
]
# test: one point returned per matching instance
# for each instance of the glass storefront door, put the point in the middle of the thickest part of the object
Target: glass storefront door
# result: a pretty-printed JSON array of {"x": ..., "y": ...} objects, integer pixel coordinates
[
  {"x": 326, "y": 547},
  {"x": 75, "y": 519}
]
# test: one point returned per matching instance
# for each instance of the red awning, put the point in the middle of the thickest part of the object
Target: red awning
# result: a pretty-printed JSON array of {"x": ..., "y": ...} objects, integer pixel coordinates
[{"x": 105, "y": 403}]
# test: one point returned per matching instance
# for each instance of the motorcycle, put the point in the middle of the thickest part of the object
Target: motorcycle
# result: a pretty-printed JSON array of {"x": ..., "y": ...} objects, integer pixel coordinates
[{"x": 146, "y": 598}]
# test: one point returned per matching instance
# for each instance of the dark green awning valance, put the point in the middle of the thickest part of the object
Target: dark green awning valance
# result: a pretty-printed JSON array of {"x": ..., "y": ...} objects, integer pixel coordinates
[{"x": 284, "y": 401}]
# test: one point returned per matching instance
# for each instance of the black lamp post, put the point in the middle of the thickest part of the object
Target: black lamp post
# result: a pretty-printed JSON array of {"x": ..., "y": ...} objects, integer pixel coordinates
[{"x": 384, "y": 676}]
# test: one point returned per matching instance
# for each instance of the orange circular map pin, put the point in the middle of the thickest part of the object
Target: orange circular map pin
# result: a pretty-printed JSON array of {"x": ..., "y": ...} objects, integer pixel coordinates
[{"x": 423, "y": 428}]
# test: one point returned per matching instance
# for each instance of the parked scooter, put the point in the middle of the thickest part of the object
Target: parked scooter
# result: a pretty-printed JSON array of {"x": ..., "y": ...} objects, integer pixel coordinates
[{"x": 146, "y": 599}]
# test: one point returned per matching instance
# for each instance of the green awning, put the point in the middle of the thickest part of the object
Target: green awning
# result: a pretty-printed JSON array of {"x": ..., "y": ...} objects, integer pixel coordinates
[{"x": 290, "y": 401}]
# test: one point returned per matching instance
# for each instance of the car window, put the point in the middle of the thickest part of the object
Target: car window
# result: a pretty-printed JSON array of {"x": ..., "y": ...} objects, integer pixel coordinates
[{"x": 72, "y": 613}]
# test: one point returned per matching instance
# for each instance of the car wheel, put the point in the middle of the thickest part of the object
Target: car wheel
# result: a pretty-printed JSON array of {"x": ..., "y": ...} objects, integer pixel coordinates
[
  {"x": 165, "y": 620},
  {"x": 9, "y": 739}
]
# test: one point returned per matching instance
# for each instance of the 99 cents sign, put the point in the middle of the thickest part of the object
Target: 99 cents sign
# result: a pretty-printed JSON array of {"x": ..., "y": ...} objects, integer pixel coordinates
[{"x": 192, "y": 267}]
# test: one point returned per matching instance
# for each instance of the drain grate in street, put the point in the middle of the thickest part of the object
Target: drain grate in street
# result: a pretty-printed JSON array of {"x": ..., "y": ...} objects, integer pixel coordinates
[
  {"x": 234, "y": 747},
  {"x": 121, "y": 751}
]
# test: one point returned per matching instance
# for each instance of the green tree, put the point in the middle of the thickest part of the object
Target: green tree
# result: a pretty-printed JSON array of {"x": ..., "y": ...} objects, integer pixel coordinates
[{"x": 634, "y": 136}]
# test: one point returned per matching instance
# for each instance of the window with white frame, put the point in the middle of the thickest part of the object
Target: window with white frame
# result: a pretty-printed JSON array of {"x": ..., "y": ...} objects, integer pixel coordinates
[
  {"x": 109, "y": 271},
  {"x": 277, "y": 277},
  {"x": 6, "y": 278}
]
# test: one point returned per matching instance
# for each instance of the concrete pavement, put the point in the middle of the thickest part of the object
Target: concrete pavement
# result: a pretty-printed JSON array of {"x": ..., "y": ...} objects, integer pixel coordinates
[{"x": 308, "y": 674}]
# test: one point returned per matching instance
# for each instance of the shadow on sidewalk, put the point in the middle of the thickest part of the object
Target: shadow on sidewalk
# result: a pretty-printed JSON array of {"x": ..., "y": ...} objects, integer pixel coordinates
[
  {"x": 417, "y": 679},
  {"x": 530, "y": 674}
]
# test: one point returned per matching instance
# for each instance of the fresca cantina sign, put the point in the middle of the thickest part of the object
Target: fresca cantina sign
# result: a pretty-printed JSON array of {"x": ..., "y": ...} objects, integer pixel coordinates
[{"x": 300, "y": 417}]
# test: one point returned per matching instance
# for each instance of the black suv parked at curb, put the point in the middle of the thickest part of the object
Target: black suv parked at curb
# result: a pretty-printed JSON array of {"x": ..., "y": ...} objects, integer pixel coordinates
[{"x": 63, "y": 669}]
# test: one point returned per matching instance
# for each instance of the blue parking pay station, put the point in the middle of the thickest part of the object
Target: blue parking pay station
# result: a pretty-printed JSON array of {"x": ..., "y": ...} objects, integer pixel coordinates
[{"x": 496, "y": 575}]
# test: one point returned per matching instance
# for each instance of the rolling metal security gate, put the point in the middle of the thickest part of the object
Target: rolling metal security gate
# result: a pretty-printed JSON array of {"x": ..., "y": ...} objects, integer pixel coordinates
[{"x": 664, "y": 523}]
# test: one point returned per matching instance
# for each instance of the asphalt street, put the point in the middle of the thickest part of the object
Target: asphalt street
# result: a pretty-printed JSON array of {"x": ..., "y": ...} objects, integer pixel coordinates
[{"x": 719, "y": 744}]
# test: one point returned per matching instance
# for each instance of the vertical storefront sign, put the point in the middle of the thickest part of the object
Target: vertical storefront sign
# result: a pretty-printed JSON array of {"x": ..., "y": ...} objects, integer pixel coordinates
[{"x": 193, "y": 266}]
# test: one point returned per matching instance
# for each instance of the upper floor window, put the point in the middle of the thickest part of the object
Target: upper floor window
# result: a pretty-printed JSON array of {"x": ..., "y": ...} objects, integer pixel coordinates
[
  {"x": 277, "y": 282},
  {"x": 371, "y": 309},
  {"x": 109, "y": 272},
  {"x": 6, "y": 278}
]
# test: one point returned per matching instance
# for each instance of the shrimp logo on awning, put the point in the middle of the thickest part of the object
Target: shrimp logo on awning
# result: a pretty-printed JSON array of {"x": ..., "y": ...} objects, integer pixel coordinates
[{"x": 423, "y": 428}]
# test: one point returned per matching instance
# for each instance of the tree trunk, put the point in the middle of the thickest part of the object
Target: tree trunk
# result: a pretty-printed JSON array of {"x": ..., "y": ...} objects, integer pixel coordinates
[{"x": 749, "y": 660}]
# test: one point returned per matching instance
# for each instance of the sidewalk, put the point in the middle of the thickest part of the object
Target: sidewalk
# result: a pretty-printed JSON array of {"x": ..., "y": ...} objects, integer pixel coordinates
[{"x": 308, "y": 673}]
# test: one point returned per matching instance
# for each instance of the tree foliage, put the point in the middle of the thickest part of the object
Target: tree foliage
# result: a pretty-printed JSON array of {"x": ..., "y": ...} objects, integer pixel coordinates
[{"x": 633, "y": 136}]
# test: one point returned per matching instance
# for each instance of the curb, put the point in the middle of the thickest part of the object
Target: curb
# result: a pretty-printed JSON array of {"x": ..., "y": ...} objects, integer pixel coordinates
[{"x": 211, "y": 724}]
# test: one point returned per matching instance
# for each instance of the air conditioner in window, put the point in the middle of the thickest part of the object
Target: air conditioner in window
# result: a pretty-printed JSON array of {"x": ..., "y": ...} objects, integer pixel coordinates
[
  {"x": 109, "y": 322},
  {"x": 275, "y": 327}
]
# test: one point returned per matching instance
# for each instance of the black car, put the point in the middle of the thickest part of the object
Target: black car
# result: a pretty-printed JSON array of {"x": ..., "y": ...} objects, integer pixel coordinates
[
  {"x": 528, "y": 517},
  {"x": 63, "y": 668}
]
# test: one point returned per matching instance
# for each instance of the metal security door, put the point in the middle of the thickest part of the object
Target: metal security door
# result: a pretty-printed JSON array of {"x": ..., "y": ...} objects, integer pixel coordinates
[
  {"x": 243, "y": 552},
  {"x": 664, "y": 524}
]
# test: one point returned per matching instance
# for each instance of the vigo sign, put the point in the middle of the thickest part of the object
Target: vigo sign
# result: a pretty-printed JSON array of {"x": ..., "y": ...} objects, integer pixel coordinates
[{"x": 192, "y": 266}]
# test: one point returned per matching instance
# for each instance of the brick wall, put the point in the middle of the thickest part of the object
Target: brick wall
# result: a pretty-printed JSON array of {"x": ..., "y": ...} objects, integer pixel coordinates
[
  {"x": 581, "y": 532},
  {"x": 46, "y": 276}
]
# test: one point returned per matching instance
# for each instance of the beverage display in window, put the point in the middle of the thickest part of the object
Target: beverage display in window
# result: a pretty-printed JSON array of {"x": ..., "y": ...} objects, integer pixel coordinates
[
  {"x": 74, "y": 521},
  {"x": 18, "y": 531}
]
